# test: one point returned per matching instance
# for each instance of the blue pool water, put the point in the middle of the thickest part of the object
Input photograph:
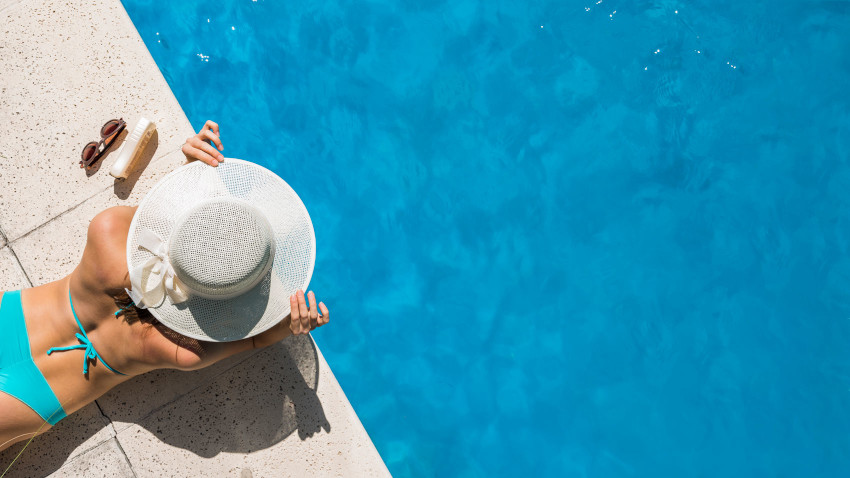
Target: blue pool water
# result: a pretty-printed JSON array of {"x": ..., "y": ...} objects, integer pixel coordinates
[{"x": 558, "y": 238}]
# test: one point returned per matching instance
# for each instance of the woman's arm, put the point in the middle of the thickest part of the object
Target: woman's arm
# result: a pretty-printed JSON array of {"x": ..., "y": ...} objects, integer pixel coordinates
[{"x": 303, "y": 318}]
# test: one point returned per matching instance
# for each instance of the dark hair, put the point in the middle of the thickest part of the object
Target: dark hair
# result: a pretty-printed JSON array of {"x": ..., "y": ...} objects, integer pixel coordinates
[{"x": 131, "y": 313}]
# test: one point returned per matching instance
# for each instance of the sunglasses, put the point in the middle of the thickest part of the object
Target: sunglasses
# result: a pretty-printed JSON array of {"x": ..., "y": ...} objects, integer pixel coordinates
[{"x": 95, "y": 150}]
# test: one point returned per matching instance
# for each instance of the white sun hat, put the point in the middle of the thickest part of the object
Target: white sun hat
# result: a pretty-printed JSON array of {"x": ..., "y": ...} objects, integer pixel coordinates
[{"x": 215, "y": 252}]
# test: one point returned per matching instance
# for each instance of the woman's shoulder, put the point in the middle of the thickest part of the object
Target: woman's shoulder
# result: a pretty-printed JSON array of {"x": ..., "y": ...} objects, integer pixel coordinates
[
  {"x": 104, "y": 261},
  {"x": 110, "y": 226}
]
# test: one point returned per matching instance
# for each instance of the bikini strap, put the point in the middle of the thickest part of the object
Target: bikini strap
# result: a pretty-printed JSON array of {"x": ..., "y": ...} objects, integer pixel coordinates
[{"x": 91, "y": 353}]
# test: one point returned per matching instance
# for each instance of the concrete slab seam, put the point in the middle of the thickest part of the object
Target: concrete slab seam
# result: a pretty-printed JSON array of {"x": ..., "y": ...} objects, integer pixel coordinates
[
  {"x": 87, "y": 450},
  {"x": 20, "y": 265},
  {"x": 126, "y": 458},
  {"x": 36, "y": 228},
  {"x": 83, "y": 452},
  {"x": 114, "y": 436},
  {"x": 75, "y": 206},
  {"x": 110, "y": 424}
]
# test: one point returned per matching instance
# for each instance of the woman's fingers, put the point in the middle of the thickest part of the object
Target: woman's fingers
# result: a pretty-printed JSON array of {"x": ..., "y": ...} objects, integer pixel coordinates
[
  {"x": 294, "y": 315},
  {"x": 302, "y": 310},
  {"x": 325, "y": 317},
  {"x": 314, "y": 312},
  {"x": 207, "y": 134},
  {"x": 210, "y": 125},
  {"x": 192, "y": 153},
  {"x": 207, "y": 148},
  {"x": 197, "y": 147},
  {"x": 203, "y": 145}
]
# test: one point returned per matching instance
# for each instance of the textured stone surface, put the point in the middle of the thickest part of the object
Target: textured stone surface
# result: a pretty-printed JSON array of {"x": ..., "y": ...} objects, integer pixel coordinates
[
  {"x": 105, "y": 460},
  {"x": 68, "y": 67},
  {"x": 279, "y": 413},
  {"x": 11, "y": 275},
  {"x": 70, "y": 438},
  {"x": 6, "y": 4}
]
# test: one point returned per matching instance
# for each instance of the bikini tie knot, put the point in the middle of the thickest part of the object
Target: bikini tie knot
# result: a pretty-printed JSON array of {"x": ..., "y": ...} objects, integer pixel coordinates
[{"x": 90, "y": 352}]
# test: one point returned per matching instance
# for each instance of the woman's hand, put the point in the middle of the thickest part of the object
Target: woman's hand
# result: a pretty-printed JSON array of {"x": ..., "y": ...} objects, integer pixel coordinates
[
  {"x": 199, "y": 147},
  {"x": 304, "y": 317}
]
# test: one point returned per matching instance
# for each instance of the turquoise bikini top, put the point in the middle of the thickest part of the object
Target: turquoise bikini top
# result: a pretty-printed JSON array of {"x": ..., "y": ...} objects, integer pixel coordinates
[{"x": 91, "y": 353}]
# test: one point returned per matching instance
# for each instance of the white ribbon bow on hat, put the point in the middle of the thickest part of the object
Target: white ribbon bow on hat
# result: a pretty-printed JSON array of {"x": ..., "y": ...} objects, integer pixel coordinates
[{"x": 155, "y": 278}]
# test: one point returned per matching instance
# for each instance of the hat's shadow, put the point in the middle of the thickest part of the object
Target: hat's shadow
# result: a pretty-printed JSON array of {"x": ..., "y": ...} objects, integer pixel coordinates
[
  {"x": 243, "y": 404},
  {"x": 238, "y": 316},
  {"x": 251, "y": 406}
]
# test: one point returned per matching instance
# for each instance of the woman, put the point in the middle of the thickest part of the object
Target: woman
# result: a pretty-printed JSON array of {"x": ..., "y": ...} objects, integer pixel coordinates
[{"x": 89, "y": 317}]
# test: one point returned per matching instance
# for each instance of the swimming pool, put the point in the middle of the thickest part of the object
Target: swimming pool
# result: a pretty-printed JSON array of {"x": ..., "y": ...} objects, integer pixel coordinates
[{"x": 562, "y": 239}]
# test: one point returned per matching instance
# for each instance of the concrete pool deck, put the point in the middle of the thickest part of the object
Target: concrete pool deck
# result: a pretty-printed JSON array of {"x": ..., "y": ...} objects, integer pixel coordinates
[{"x": 67, "y": 68}]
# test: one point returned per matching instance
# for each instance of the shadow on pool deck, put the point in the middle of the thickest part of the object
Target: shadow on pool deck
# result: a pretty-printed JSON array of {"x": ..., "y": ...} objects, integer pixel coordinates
[{"x": 253, "y": 405}]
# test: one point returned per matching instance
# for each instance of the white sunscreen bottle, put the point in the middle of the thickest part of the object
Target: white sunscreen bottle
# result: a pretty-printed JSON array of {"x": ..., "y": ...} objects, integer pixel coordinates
[{"x": 132, "y": 148}]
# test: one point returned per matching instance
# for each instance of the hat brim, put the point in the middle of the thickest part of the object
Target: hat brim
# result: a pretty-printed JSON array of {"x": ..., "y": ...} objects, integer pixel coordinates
[{"x": 267, "y": 303}]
